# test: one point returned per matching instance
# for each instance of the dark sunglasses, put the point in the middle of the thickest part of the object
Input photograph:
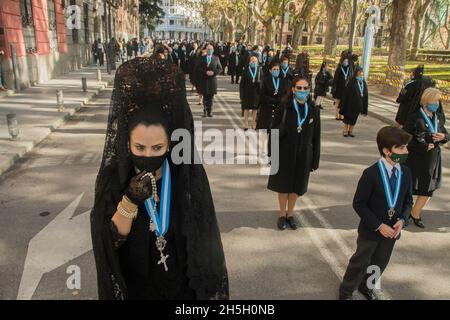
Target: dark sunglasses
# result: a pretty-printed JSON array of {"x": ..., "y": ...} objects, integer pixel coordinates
[{"x": 301, "y": 88}]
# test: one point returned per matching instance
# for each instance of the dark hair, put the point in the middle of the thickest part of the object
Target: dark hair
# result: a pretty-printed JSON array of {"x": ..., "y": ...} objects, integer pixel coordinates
[
  {"x": 148, "y": 117},
  {"x": 323, "y": 65},
  {"x": 284, "y": 57},
  {"x": 390, "y": 136},
  {"x": 288, "y": 97},
  {"x": 274, "y": 63}
]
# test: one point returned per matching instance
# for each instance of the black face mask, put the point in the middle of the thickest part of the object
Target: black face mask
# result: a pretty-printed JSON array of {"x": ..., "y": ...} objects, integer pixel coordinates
[{"x": 149, "y": 164}]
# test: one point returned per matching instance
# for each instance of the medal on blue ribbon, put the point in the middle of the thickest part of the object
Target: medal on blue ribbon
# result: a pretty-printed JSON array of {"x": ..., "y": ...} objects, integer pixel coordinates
[
  {"x": 208, "y": 60},
  {"x": 285, "y": 71},
  {"x": 253, "y": 74},
  {"x": 391, "y": 195},
  {"x": 361, "y": 87},
  {"x": 159, "y": 219},
  {"x": 345, "y": 73},
  {"x": 276, "y": 84},
  {"x": 433, "y": 127},
  {"x": 300, "y": 120}
]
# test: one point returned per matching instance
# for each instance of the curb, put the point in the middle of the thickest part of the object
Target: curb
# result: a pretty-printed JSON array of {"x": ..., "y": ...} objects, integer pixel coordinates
[{"x": 28, "y": 146}]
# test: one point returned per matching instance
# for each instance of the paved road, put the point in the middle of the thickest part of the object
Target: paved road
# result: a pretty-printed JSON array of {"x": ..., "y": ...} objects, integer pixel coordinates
[{"x": 45, "y": 201}]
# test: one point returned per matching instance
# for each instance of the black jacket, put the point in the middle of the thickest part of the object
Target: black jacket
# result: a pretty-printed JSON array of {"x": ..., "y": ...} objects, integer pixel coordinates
[
  {"x": 322, "y": 83},
  {"x": 370, "y": 202},
  {"x": 208, "y": 84}
]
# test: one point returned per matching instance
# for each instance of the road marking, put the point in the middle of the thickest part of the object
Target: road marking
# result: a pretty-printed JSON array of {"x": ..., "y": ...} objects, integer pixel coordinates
[{"x": 62, "y": 240}]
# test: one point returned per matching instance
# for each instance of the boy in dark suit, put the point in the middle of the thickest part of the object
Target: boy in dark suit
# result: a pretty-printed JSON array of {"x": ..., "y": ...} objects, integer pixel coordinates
[{"x": 383, "y": 201}]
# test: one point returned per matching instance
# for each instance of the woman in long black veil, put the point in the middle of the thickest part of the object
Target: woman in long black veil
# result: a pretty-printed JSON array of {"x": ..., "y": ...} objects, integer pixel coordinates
[{"x": 138, "y": 254}]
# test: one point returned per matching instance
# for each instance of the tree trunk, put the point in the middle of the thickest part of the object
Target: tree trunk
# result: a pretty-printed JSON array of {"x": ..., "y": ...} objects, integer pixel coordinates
[
  {"x": 313, "y": 31},
  {"x": 418, "y": 18},
  {"x": 333, "y": 9},
  {"x": 398, "y": 45},
  {"x": 268, "y": 26},
  {"x": 424, "y": 36},
  {"x": 298, "y": 31}
]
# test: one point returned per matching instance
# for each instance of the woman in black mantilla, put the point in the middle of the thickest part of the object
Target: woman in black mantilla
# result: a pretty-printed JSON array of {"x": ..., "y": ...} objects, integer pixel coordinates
[
  {"x": 132, "y": 206},
  {"x": 409, "y": 96},
  {"x": 342, "y": 75},
  {"x": 298, "y": 121}
]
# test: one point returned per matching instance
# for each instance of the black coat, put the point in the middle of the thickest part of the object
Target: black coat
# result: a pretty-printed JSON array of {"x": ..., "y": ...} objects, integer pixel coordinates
[
  {"x": 339, "y": 82},
  {"x": 352, "y": 104},
  {"x": 409, "y": 97},
  {"x": 175, "y": 57},
  {"x": 183, "y": 62},
  {"x": 323, "y": 82},
  {"x": 233, "y": 66},
  {"x": 248, "y": 90},
  {"x": 426, "y": 166},
  {"x": 269, "y": 101},
  {"x": 371, "y": 205},
  {"x": 266, "y": 65},
  {"x": 208, "y": 84},
  {"x": 299, "y": 153},
  {"x": 191, "y": 61}
]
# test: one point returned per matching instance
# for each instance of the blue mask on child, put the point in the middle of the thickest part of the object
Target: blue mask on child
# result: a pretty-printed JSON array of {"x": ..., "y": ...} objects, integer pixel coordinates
[
  {"x": 210, "y": 52},
  {"x": 302, "y": 95},
  {"x": 285, "y": 65},
  {"x": 253, "y": 65},
  {"x": 276, "y": 73},
  {"x": 433, "y": 107},
  {"x": 360, "y": 78}
]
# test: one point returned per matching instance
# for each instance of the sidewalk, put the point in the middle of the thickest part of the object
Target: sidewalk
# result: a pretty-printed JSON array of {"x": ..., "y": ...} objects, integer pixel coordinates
[{"x": 37, "y": 112}]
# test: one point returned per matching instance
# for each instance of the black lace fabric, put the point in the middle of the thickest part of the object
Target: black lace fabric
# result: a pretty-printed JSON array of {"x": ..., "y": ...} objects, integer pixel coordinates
[{"x": 153, "y": 83}]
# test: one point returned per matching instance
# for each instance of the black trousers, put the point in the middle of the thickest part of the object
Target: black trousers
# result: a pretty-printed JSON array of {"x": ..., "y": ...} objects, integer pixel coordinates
[
  {"x": 237, "y": 78},
  {"x": 208, "y": 102},
  {"x": 368, "y": 253}
]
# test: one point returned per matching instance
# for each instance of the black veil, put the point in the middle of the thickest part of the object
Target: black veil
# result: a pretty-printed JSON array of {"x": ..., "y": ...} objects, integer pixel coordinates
[{"x": 153, "y": 83}]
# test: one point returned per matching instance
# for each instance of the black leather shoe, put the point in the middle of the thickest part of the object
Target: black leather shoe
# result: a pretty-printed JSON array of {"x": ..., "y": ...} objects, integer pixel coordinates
[
  {"x": 204, "y": 114},
  {"x": 367, "y": 293},
  {"x": 292, "y": 222},
  {"x": 351, "y": 135},
  {"x": 210, "y": 115},
  {"x": 282, "y": 223},
  {"x": 320, "y": 107},
  {"x": 418, "y": 222}
]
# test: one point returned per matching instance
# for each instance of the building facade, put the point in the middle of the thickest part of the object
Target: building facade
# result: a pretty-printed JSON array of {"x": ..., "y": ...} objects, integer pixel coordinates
[
  {"x": 46, "y": 38},
  {"x": 180, "y": 23}
]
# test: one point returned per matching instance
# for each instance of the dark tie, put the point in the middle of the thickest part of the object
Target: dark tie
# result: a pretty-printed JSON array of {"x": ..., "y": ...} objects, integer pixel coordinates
[{"x": 393, "y": 179}]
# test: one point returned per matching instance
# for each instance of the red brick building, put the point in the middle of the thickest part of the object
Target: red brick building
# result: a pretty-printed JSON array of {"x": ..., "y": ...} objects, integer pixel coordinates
[{"x": 44, "y": 45}]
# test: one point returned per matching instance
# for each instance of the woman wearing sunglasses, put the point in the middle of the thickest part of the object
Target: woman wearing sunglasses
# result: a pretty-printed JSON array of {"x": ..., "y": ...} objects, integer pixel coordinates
[{"x": 298, "y": 121}]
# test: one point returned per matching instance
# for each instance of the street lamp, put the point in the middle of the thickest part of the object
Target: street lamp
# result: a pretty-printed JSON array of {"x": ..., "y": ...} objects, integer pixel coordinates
[{"x": 249, "y": 3}]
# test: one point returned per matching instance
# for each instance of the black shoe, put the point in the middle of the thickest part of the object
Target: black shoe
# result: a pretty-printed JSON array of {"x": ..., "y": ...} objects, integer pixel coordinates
[
  {"x": 204, "y": 114},
  {"x": 282, "y": 223},
  {"x": 210, "y": 115},
  {"x": 367, "y": 293},
  {"x": 292, "y": 222},
  {"x": 320, "y": 107},
  {"x": 351, "y": 135},
  {"x": 345, "y": 134},
  {"x": 418, "y": 222},
  {"x": 345, "y": 297}
]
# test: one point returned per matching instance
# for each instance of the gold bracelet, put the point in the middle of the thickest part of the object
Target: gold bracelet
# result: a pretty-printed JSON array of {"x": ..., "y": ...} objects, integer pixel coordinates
[
  {"x": 128, "y": 203},
  {"x": 130, "y": 214}
]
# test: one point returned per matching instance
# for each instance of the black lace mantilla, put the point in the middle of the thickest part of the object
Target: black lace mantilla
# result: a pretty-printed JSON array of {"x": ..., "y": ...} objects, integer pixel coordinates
[{"x": 152, "y": 83}]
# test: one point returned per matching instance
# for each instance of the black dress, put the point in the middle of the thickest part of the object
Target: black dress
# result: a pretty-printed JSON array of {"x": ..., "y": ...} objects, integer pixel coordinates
[
  {"x": 299, "y": 153},
  {"x": 340, "y": 82},
  {"x": 425, "y": 166},
  {"x": 249, "y": 91},
  {"x": 323, "y": 82},
  {"x": 269, "y": 101},
  {"x": 353, "y": 103}
]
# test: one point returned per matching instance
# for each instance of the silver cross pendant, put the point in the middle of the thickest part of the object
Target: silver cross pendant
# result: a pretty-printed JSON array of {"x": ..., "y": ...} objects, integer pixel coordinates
[
  {"x": 391, "y": 213},
  {"x": 160, "y": 245}
]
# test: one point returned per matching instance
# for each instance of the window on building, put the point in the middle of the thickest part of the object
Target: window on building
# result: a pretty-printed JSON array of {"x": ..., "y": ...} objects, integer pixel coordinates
[
  {"x": 28, "y": 26},
  {"x": 74, "y": 30},
  {"x": 171, "y": 22},
  {"x": 305, "y": 27},
  {"x": 53, "y": 35},
  {"x": 319, "y": 41},
  {"x": 321, "y": 27},
  {"x": 86, "y": 22},
  {"x": 171, "y": 35},
  {"x": 172, "y": 10}
]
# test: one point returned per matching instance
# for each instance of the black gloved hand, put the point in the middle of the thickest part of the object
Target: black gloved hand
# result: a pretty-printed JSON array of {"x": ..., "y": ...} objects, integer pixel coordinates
[{"x": 139, "y": 189}]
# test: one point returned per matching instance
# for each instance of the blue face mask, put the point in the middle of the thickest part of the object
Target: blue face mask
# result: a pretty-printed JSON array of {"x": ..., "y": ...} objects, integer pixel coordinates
[
  {"x": 302, "y": 95},
  {"x": 360, "y": 78},
  {"x": 345, "y": 63},
  {"x": 253, "y": 65},
  {"x": 276, "y": 73},
  {"x": 210, "y": 52},
  {"x": 433, "y": 107},
  {"x": 285, "y": 65}
]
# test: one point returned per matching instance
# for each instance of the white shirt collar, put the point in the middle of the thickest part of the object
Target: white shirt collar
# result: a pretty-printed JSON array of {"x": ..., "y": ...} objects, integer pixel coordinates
[{"x": 389, "y": 167}]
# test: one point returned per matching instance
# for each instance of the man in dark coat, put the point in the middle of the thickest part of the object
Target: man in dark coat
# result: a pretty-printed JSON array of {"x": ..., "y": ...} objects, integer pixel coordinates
[
  {"x": 209, "y": 68},
  {"x": 233, "y": 65}
]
